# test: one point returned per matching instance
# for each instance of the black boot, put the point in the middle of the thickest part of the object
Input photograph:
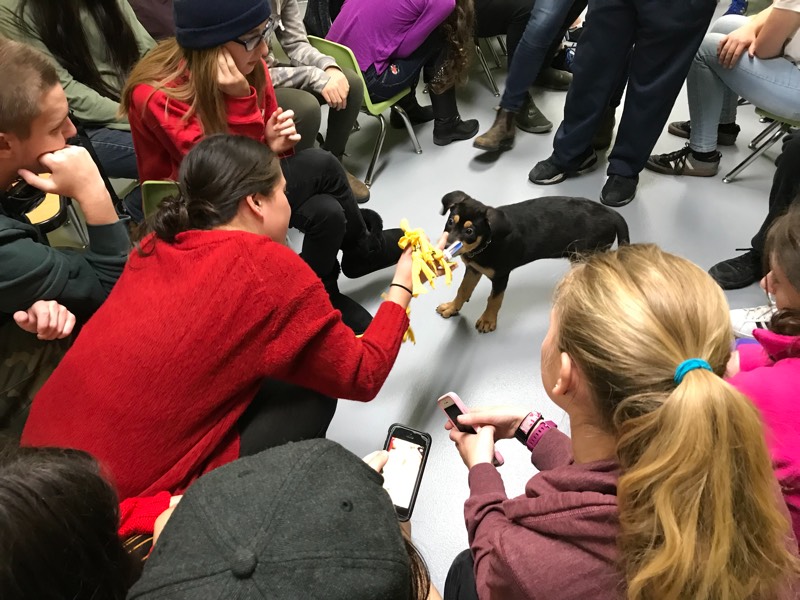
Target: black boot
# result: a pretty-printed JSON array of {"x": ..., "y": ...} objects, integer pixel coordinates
[
  {"x": 355, "y": 316},
  {"x": 376, "y": 250},
  {"x": 447, "y": 125},
  {"x": 416, "y": 114}
]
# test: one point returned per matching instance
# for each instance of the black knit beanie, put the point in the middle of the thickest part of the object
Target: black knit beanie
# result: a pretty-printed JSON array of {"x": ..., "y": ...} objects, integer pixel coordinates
[{"x": 203, "y": 24}]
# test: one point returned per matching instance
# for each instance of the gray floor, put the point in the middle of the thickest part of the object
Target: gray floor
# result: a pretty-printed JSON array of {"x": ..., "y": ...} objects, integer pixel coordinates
[{"x": 701, "y": 219}]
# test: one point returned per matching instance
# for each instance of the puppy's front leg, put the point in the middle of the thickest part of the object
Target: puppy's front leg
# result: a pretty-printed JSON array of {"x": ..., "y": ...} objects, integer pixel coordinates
[
  {"x": 471, "y": 278},
  {"x": 488, "y": 320}
]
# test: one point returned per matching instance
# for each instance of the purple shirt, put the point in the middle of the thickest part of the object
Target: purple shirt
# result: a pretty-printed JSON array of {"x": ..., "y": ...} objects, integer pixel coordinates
[{"x": 380, "y": 30}]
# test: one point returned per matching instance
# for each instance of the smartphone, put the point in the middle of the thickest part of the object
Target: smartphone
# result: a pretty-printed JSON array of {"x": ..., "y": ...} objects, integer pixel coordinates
[
  {"x": 408, "y": 453},
  {"x": 452, "y": 405}
]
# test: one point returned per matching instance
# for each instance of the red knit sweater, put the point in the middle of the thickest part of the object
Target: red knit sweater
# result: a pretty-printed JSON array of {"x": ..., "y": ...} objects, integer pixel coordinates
[
  {"x": 158, "y": 378},
  {"x": 162, "y": 136}
]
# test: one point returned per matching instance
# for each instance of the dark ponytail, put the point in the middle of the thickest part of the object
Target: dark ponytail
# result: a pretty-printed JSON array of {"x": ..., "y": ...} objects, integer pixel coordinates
[
  {"x": 59, "y": 24},
  {"x": 215, "y": 177},
  {"x": 783, "y": 248}
]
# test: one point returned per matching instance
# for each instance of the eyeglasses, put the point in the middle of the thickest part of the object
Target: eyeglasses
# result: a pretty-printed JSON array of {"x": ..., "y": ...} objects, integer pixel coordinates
[{"x": 252, "y": 43}]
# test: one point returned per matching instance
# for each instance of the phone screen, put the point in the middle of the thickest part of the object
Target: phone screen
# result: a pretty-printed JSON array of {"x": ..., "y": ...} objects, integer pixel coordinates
[
  {"x": 453, "y": 411},
  {"x": 401, "y": 470}
]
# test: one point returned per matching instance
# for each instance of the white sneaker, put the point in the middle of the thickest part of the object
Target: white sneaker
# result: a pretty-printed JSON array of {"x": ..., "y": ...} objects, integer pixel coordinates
[{"x": 745, "y": 320}]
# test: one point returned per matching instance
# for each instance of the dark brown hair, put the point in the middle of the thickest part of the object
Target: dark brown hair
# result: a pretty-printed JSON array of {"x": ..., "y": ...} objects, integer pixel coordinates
[
  {"x": 58, "y": 528},
  {"x": 26, "y": 75},
  {"x": 459, "y": 34},
  {"x": 215, "y": 177},
  {"x": 60, "y": 25},
  {"x": 783, "y": 248}
]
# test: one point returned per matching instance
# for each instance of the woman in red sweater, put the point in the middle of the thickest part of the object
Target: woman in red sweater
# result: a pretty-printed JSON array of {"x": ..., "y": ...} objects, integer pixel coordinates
[
  {"x": 209, "y": 306},
  {"x": 212, "y": 78},
  {"x": 665, "y": 489}
]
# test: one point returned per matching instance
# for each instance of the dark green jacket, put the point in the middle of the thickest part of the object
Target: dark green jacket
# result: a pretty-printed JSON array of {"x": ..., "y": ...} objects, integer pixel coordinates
[{"x": 81, "y": 281}]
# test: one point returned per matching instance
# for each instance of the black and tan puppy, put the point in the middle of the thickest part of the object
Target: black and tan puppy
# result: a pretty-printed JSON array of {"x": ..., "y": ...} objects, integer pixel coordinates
[{"x": 498, "y": 240}]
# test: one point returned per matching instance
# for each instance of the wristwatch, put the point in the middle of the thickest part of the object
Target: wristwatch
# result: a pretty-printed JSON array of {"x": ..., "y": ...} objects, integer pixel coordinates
[
  {"x": 526, "y": 427},
  {"x": 541, "y": 428}
]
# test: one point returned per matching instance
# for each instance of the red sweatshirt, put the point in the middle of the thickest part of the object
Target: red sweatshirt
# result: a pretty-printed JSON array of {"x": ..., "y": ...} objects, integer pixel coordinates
[
  {"x": 158, "y": 378},
  {"x": 162, "y": 137}
]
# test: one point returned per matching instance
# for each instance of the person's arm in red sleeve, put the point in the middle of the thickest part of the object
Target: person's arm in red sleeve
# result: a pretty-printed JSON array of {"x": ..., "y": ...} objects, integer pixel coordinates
[
  {"x": 309, "y": 345},
  {"x": 553, "y": 450},
  {"x": 137, "y": 516},
  {"x": 245, "y": 117}
]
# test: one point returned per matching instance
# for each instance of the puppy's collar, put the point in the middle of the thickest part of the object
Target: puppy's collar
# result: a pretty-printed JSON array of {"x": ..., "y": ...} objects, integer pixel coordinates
[{"x": 479, "y": 250}]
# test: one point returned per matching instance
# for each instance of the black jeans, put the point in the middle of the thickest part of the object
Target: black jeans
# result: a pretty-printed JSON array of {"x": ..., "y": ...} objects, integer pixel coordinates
[
  {"x": 460, "y": 582},
  {"x": 502, "y": 17},
  {"x": 282, "y": 413},
  {"x": 307, "y": 114},
  {"x": 323, "y": 207},
  {"x": 664, "y": 36},
  {"x": 785, "y": 187}
]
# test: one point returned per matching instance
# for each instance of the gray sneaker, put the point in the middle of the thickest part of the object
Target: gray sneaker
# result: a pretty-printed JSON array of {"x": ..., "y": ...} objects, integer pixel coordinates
[
  {"x": 682, "y": 162},
  {"x": 531, "y": 119}
]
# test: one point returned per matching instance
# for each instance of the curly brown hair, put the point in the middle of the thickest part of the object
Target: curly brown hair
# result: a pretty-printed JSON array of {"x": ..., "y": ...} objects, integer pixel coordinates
[{"x": 459, "y": 34}]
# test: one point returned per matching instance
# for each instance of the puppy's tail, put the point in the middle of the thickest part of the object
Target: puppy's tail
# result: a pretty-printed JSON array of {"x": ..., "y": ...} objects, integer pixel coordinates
[{"x": 623, "y": 237}]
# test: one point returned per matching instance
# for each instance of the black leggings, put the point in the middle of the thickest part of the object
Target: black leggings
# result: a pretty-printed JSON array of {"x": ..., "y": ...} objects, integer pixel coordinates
[
  {"x": 282, "y": 413},
  {"x": 502, "y": 17},
  {"x": 323, "y": 207}
]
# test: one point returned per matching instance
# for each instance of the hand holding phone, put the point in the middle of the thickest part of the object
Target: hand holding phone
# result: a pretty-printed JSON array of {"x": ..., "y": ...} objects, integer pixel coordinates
[
  {"x": 402, "y": 474},
  {"x": 452, "y": 405}
]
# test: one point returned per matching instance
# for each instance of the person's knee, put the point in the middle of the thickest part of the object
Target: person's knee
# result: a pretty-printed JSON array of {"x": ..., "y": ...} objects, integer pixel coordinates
[
  {"x": 307, "y": 112},
  {"x": 324, "y": 214},
  {"x": 727, "y": 23},
  {"x": 356, "y": 86}
]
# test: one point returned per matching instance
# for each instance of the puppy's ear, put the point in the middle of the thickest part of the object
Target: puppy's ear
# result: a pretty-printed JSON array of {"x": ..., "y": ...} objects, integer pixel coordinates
[
  {"x": 451, "y": 199},
  {"x": 499, "y": 224}
]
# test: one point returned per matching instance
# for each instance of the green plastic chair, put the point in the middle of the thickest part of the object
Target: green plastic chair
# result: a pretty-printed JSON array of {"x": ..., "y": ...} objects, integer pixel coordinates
[
  {"x": 775, "y": 131},
  {"x": 154, "y": 193},
  {"x": 346, "y": 60}
]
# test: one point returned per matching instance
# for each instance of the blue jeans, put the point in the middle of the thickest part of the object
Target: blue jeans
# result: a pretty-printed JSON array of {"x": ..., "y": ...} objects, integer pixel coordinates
[
  {"x": 772, "y": 84},
  {"x": 114, "y": 148},
  {"x": 546, "y": 21}
]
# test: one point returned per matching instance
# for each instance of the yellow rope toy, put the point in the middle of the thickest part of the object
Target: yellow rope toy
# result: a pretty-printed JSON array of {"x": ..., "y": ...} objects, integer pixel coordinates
[{"x": 425, "y": 259}]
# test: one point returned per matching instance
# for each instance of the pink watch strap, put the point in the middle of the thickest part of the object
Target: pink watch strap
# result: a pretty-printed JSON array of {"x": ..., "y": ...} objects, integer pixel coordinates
[
  {"x": 537, "y": 433},
  {"x": 524, "y": 429}
]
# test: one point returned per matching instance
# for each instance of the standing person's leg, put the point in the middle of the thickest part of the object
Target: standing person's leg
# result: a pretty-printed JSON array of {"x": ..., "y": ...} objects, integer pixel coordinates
[
  {"x": 307, "y": 114},
  {"x": 281, "y": 413},
  {"x": 600, "y": 60},
  {"x": 516, "y": 105},
  {"x": 667, "y": 38},
  {"x": 114, "y": 149}
]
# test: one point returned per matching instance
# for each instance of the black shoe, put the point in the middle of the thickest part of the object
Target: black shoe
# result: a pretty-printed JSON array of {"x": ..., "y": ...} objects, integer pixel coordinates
[
  {"x": 547, "y": 172},
  {"x": 416, "y": 114},
  {"x": 376, "y": 250},
  {"x": 453, "y": 129},
  {"x": 726, "y": 137},
  {"x": 619, "y": 190},
  {"x": 738, "y": 272},
  {"x": 355, "y": 316}
]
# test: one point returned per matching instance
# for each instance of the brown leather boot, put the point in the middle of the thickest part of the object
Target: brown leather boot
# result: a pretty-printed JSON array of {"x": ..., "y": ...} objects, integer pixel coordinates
[
  {"x": 501, "y": 135},
  {"x": 359, "y": 188}
]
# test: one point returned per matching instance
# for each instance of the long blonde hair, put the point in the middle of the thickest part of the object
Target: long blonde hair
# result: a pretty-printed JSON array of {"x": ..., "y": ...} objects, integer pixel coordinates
[
  {"x": 698, "y": 501},
  {"x": 188, "y": 76}
]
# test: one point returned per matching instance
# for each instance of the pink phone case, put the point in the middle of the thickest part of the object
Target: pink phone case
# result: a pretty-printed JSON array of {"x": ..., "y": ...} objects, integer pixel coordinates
[{"x": 498, "y": 458}]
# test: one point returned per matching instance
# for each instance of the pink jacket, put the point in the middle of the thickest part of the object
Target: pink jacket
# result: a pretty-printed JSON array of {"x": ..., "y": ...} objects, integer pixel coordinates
[{"x": 771, "y": 381}]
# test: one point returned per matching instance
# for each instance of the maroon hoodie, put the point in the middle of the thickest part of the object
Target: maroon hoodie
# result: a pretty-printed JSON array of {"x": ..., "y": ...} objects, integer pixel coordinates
[{"x": 558, "y": 541}]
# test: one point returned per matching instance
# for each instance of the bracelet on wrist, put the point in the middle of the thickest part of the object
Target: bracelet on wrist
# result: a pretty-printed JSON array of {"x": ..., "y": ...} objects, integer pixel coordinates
[{"x": 403, "y": 287}]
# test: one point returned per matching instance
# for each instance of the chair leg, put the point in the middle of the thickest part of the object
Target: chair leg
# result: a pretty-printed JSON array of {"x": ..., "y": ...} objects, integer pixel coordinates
[
  {"x": 411, "y": 133},
  {"x": 758, "y": 152},
  {"x": 486, "y": 69},
  {"x": 501, "y": 40},
  {"x": 377, "y": 151},
  {"x": 767, "y": 130},
  {"x": 77, "y": 224},
  {"x": 494, "y": 52}
]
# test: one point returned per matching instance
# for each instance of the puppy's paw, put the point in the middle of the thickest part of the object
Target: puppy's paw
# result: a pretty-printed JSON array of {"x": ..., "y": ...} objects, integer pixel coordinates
[
  {"x": 486, "y": 323},
  {"x": 447, "y": 309}
]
